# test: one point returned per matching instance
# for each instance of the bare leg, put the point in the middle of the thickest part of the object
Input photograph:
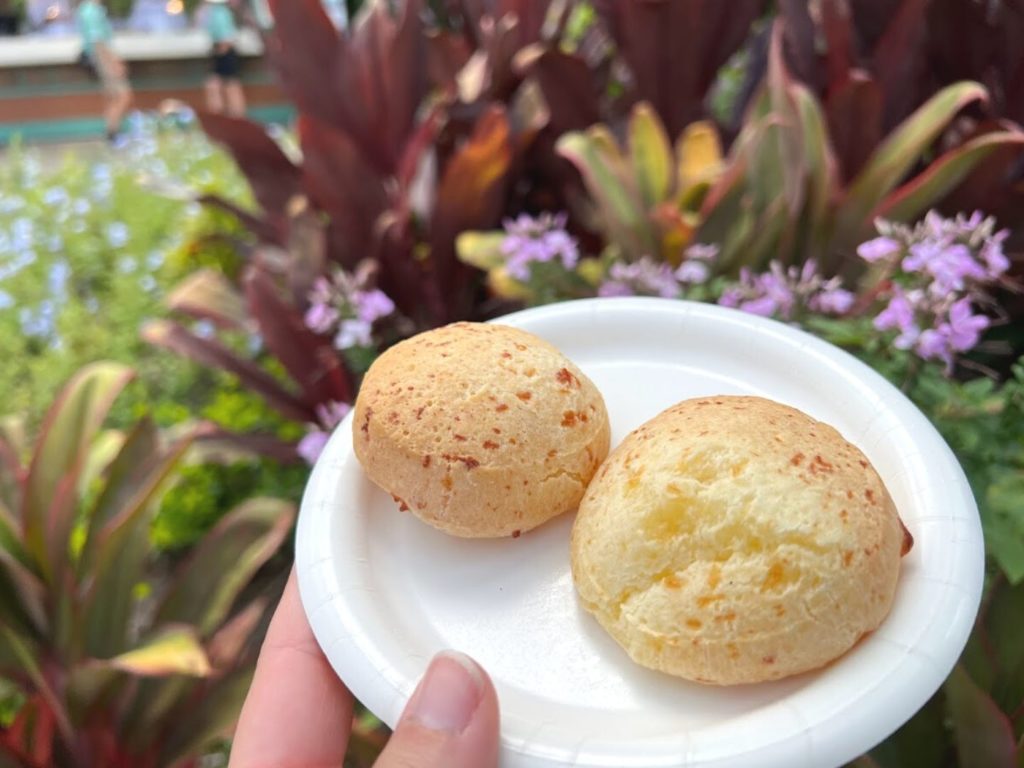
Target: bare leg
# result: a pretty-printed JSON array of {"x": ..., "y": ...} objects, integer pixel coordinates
[
  {"x": 235, "y": 97},
  {"x": 214, "y": 94},
  {"x": 116, "y": 108},
  {"x": 118, "y": 90}
]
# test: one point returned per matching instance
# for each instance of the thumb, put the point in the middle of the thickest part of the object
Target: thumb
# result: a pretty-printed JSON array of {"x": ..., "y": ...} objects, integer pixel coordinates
[{"x": 451, "y": 721}]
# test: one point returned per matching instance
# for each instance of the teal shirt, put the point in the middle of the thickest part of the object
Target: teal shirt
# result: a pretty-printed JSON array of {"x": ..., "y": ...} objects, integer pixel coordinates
[
  {"x": 93, "y": 25},
  {"x": 220, "y": 23}
]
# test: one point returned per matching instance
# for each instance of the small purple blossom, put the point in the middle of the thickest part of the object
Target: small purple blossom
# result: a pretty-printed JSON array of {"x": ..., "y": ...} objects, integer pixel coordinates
[
  {"x": 643, "y": 277},
  {"x": 330, "y": 414},
  {"x": 343, "y": 305},
  {"x": 952, "y": 267},
  {"x": 964, "y": 328},
  {"x": 942, "y": 267},
  {"x": 321, "y": 318},
  {"x": 611, "y": 289},
  {"x": 879, "y": 249},
  {"x": 542, "y": 239},
  {"x": 353, "y": 333},
  {"x": 782, "y": 292},
  {"x": 934, "y": 345},
  {"x": 312, "y": 445},
  {"x": 693, "y": 272},
  {"x": 702, "y": 252},
  {"x": 832, "y": 301},
  {"x": 372, "y": 305},
  {"x": 899, "y": 313}
]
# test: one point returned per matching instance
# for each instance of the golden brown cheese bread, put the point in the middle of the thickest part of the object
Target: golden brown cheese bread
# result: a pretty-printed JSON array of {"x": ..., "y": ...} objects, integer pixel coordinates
[
  {"x": 735, "y": 540},
  {"x": 480, "y": 430}
]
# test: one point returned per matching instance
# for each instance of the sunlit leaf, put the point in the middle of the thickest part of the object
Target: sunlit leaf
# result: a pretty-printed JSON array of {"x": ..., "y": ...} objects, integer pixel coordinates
[
  {"x": 699, "y": 155},
  {"x": 207, "y": 294},
  {"x": 942, "y": 175},
  {"x": 650, "y": 154},
  {"x": 481, "y": 249},
  {"x": 903, "y": 148},
  {"x": 604, "y": 172},
  {"x": 175, "y": 650}
]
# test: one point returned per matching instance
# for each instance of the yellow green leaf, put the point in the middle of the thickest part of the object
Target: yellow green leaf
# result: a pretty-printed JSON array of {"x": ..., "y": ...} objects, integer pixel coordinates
[
  {"x": 504, "y": 285},
  {"x": 480, "y": 249},
  {"x": 699, "y": 155},
  {"x": 650, "y": 153},
  {"x": 592, "y": 270},
  {"x": 175, "y": 651},
  {"x": 902, "y": 150}
]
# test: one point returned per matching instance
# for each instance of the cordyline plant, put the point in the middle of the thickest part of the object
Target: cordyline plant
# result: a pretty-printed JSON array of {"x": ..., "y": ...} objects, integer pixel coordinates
[
  {"x": 782, "y": 197},
  {"x": 109, "y": 676},
  {"x": 411, "y": 133},
  {"x": 873, "y": 62}
]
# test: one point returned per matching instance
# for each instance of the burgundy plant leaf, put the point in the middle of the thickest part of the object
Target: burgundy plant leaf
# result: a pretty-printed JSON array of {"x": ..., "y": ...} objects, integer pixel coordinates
[
  {"x": 310, "y": 359},
  {"x": 272, "y": 176},
  {"x": 854, "y": 114},
  {"x": 368, "y": 85},
  {"x": 530, "y": 15},
  {"x": 447, "y": 53},
  {"x": 471, "y": 196},
  {"x": 214, "y": 354},
  {"x": 568, "y": 85},
  {"x": 898, "y": 63},
  {"x": 410, "y": 282},
  {"x": 799, "y": 35},
  {"x": 840, "y": 56},
  {"x": 403, "y": 65},
  {"x": 870, "y": 20},
  {"x": 340, "y": 182},
  {"x": 264, "y": 229},
  {"x": 270, "y": 446},
  {"x": 675, "y": 48},
  {"x": 991, "y": 186},
  {"x": 421, "y": 142},
  {"x": 963, "y": 42},
  {"x": 304, "y": 49}
]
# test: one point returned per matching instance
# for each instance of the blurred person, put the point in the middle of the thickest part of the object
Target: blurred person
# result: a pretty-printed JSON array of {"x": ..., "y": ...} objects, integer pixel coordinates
[
  {"x": 97, "y": 46},
  {"x": 223, "y": 87}
]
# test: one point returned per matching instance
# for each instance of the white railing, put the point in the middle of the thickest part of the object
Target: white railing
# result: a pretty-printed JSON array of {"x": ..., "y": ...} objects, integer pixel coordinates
[{"x": 41, "y": 50}]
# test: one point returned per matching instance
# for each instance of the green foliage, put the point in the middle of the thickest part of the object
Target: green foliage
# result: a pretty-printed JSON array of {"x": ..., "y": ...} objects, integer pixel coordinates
[
  {"x": 121, "y": 685},
  {"x": 84, "y": 254}
]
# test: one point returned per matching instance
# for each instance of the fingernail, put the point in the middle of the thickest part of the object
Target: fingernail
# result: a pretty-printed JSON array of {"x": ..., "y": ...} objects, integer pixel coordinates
[{"x": 449, "y": 693}]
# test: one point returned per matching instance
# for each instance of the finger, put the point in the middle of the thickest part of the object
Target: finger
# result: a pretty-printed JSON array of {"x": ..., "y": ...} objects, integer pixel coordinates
[
  {"x": 297, "y": 712},
  {"x": 451, "y": 720}
]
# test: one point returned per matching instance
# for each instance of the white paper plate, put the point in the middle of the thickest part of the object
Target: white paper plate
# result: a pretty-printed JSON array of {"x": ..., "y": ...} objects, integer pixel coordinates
[{"x": 384, "y": 592}]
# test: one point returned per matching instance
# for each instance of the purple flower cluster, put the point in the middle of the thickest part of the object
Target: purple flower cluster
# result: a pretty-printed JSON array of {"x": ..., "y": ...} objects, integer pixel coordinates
[
  {"x": 647, "y": 277},
  {"x": 784, "y": 292},
  {"x": 343, "y": 305},
  {"x": 935, "y": 275},
  {"x": 530, "y": 240},
  {"x": 328, "y": 417}
]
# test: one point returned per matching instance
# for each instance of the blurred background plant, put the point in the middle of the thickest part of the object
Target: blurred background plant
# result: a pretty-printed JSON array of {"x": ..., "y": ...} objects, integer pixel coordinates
[
  {"x": 113, "y": 659},
  {"x": 850, "y": 166}
]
